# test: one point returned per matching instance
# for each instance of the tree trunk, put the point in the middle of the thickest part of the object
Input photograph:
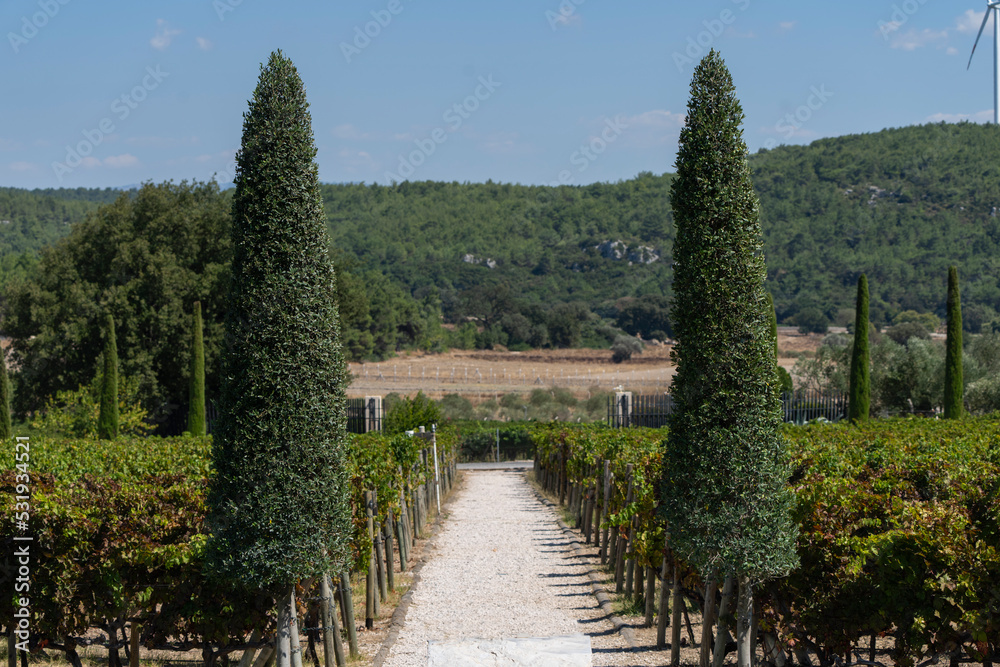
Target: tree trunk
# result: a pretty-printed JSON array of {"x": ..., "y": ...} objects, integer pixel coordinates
[
  {"x": 326, "y": 620},
  {"x": 283, "y": 642},
  {"x": 675, "y": 621},
  {"x": 722, "y": 632},
  {"x": 247, "y": 657},
  {"x": 651, "y": 595},
  {"x": 133, "y": 656},
  {"x": 661, "y": 621},
  {"x": 293, "y": 632},
  {"x": 707, "y": 620},
  {"x": 744, "y": 624}
]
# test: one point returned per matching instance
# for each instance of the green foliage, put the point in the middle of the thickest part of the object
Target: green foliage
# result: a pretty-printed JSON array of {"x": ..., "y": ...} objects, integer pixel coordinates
[
  {"x": 455, "y": 406},
  {"x": 143, "y": 258},
  {"x": 411, "y": 413},
  {"x": 928, "y": 321},
  {"x": 859, "y": 391},
  {"x": 76, "y": 414},
  {"x": 811, "y": 320},
  {"x": 899, "y": 529},
  {"x": 953, "y": 350},
  {"x": 902, "y": 333},
  {"x": 647, "y": 316},
  {"x": 478, "y": 441},
  {"x": 107, "y": 418},
  {"x": 624, "y": 347},
  {"x": 5, "y": 429},
  {"x": 196, "y": 396},
  {"x": 723, "y": 488},
  {"x": 279, "y": 500}
]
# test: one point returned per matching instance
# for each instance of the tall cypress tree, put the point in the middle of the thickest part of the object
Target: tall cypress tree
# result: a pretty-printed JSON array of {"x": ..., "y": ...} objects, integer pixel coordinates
[
  {"x": 279, "y": 498},
  {"x": 784, "y": 378},
  {"x": 859, "y": 393},
  {"x": 724, "y": 495},
  {"x": 953, "y": 407},
  {"x": 196, "y": 394},
  {"x": 107, "y": 419},
  {"x": 5, "y": 427}
]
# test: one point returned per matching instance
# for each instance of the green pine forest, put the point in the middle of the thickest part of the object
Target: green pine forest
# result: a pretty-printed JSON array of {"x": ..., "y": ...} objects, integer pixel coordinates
[{"x": 544, "y": 266}]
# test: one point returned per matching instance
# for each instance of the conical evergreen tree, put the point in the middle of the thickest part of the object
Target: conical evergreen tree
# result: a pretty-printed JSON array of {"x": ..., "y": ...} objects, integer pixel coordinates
[
  {"x": 196, "y": 395},
  {"x": 724, "y": 494},
  {"x": 278, "y": 501},
  {"x": 859, "y": 392},
  {"x": 5, "y": 428},
  {"x": 107, "y": 419},
  {"x": 953, "y": 388}
]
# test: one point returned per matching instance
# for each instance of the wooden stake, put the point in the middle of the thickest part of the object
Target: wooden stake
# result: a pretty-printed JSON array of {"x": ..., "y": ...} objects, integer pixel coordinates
[
  {"x": 347, "y": 613},
  {"x": 390, "y": 570},
  {"x": 661, "y": 621},
  {"x": 675, "y": 620}
]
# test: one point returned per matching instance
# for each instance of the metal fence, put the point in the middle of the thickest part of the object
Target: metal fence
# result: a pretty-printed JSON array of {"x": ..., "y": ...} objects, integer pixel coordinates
[
  {"x": 364, "y": 415},
  {"x": 797, "y": 407}
]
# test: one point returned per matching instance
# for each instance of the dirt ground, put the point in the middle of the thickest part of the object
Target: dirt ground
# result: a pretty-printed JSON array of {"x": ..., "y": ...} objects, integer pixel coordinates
[{"x": 482, "y": 375}]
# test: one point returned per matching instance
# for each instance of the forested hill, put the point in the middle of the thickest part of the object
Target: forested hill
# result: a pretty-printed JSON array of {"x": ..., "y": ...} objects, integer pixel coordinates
[
  {"x": 900, "y": 205},
  {"x": 30, "y": 219}
]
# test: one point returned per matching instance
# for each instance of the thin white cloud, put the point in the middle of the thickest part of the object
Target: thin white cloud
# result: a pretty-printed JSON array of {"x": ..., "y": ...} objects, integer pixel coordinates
[
  {"x": 787, "y": 25},
  {"x": 657, "y": 118},
  {"x": 951, "y": 51},
  {"x": 969, "y": 21},
  {"x": 356, "y": 162},
  {"x": 22, "y": 166},
  {"x": 506, "y": 143},
  {"x": 123, "y": 160},
  {"x": 164, "y": 35},
  {"x": 203, "y": 43},
  {"x": 915, "y": 39},
  {"x": 8, "y": 145},
  {"x": 349, "y": 131},
  {"x": 977, "y": 117}
]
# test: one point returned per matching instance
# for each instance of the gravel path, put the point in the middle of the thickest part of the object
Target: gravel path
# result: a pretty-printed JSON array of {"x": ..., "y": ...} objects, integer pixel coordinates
[{"x": 501, "y": 568}]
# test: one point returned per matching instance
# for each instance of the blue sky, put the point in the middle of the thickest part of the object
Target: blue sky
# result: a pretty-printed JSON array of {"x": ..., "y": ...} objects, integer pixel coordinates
[{"x": 533, "y": 92}]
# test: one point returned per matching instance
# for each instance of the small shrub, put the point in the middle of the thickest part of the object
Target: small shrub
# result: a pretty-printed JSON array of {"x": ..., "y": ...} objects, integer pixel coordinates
[
  {"x": 411, "y": 413},
  {"x": 624, "y": 347},
  {"x": 454, "y": 406}
]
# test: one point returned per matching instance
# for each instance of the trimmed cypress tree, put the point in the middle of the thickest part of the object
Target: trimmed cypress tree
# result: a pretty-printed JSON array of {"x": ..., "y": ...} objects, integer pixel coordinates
[
  {"x": 196, "y": 394},
  {"x": 107, "y": 419},
  {"x": 953, "y": 407},
  {"x": 5, "y": 427},
  {"x": 278, "y": 502},
  {"x": 723, "y": 494},
  {"x": 859, "y": 392}
]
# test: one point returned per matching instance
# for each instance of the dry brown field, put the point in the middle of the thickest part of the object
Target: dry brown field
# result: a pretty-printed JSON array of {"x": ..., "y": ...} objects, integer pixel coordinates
[{"x": 482, "y": 375}]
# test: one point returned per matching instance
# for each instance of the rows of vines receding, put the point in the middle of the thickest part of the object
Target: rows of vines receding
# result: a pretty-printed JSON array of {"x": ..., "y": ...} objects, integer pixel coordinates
[
  {"x": 899, "y": 532},
  {"x": 118, "y": 532}
]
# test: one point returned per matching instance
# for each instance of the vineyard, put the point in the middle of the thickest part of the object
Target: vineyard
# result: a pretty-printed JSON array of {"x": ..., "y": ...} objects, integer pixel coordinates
[
  {"x": 899, "y": 537},
  {"x": 118, "y": 540}
]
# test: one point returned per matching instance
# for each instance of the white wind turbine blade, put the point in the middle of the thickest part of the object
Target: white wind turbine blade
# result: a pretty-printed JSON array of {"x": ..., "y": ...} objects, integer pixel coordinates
[{"x": 986, "y": 17}]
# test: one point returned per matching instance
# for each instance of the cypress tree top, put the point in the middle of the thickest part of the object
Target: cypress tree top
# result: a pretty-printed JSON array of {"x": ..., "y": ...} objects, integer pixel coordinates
[
  {"x": 278, "y": 499},
  {"x": 859, "y": 399},
  {"x": 953, "y": 384},
  {"x": 724, "y": 497}
]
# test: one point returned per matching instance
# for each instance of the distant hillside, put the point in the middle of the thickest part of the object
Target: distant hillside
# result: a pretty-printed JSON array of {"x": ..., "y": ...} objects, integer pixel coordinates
[{"x": 900, "y": 205}]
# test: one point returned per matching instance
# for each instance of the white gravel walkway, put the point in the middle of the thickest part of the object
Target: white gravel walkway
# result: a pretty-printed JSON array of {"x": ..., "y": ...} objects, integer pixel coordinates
[{"x": 502, "y": 568}]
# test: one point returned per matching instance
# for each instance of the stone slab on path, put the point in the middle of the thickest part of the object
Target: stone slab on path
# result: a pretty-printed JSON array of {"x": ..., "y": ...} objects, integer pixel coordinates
[
  {"x": 502, "y": 569},
  {"x": 571, "y": 651}
]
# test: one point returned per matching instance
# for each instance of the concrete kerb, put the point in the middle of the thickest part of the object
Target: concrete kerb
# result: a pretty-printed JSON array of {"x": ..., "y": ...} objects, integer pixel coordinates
[
  {"x": 603, "y": 599},
  {"x": 398, "y": 619}
]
